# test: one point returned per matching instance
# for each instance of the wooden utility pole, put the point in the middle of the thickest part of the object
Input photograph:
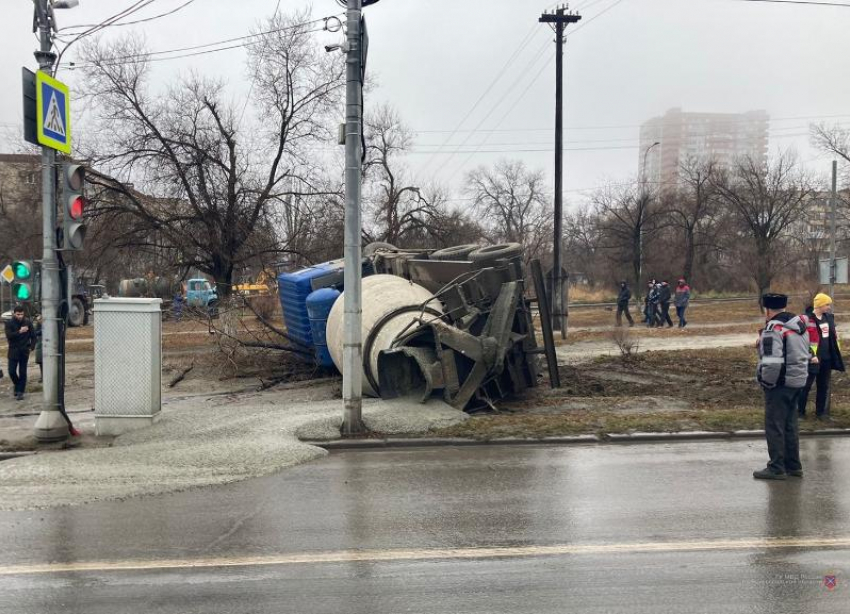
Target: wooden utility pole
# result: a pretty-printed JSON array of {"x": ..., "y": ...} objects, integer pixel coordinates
[{"x": 559, "y": 20}]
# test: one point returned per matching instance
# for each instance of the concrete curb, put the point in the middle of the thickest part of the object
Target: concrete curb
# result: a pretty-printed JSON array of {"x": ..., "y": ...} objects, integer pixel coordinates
[
  {"x": 378, "y": 444},
  {"x": 11, "y": 455}
]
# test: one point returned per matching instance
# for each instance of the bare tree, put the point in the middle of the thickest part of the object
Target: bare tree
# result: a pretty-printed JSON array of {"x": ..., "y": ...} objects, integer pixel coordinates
[
  {"x": 179, "y": 164},
  {"x": 582, "y": 242},
  {"x": 512, "y": 205},
  {"x": 630, "y": 217},
  {"x": 832, "y": 139},
  {"x": 767, "y": 200},
  {"x": 398, "y": 208},
  {"x": 835, "y": 140},
  {"x": 694, "y": 209}
]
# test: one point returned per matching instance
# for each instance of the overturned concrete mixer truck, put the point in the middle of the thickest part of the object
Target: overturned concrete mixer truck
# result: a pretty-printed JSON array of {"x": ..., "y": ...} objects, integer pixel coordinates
[{"x": 454, "y": 322}]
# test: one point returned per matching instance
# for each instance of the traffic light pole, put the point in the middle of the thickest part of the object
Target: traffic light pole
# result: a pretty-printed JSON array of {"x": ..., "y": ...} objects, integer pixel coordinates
[{"x": 51, "y": 424}]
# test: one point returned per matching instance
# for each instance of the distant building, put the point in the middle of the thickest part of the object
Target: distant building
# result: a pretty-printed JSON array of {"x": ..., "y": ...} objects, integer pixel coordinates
[
  {"x": 20, "y": 207},
  {"x": 815, "y": 225},
  {"x": 723, "y": 136},
  {"x": 20, "y": 183}
]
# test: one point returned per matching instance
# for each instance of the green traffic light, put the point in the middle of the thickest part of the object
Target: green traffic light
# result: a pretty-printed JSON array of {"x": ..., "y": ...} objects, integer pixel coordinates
[
  {"x": 22, "y": 270},
  {"x": 22, "y": 292}
]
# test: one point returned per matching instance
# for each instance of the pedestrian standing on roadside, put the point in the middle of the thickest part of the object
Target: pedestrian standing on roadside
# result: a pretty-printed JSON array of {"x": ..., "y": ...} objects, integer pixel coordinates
[
  {"x": 682, "y": 300},
  {"x": 783, "y": 367},
  {"x": 664, "y": 297},
  {"x": 21, "y": 337},
  {"x": 623, "y": 299},
  {"x": 827, "y": 351}
]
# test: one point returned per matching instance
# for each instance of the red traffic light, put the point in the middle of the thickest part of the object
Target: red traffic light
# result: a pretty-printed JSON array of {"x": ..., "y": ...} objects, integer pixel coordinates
[{"x": 75, "y": 207}]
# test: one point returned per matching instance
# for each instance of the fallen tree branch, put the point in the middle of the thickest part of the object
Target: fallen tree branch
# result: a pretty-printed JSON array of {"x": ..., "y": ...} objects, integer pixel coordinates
[
  {"x": 179, "y": 377},
  {"x": 269, "y": 325}
]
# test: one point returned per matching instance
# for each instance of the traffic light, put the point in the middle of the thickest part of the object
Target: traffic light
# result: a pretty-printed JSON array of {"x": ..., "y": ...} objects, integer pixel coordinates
[
  {"x": 73, "y": 229},
  {"x": 23, "y": 285}
]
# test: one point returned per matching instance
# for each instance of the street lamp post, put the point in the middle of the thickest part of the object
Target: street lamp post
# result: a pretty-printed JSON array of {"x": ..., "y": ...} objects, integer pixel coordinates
[{"x": 640, "y": 230}]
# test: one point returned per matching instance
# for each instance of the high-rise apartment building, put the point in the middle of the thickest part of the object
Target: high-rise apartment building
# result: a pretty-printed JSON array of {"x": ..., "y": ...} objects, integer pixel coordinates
[{"x": 680, "y": 136}]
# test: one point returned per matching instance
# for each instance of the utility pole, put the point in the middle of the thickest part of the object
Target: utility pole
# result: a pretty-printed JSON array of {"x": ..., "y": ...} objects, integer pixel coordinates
[
  {"x": 352, "y": 351},
  {"x": 560, "y": 18},
  {"x": 833, "y": 204},
  {"x": 51, "y": 424}
]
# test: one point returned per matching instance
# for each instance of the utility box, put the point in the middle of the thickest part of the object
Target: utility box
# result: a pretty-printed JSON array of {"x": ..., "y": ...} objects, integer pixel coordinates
[{"x": 127, "y": 364}]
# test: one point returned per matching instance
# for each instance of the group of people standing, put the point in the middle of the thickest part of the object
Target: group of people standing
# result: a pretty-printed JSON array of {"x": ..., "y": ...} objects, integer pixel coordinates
[
  {"x": 795, "y": 352},
  {"x": 656, "y": 303}
]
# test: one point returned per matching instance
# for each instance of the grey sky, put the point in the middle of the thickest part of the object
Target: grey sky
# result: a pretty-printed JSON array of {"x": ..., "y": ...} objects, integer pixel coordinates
[{"x": 627, "y": 61}]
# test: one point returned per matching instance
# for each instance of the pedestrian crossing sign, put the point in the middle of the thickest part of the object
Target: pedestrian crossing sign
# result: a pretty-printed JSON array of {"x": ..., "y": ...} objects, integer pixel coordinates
[{"x": 53, "y": 113}]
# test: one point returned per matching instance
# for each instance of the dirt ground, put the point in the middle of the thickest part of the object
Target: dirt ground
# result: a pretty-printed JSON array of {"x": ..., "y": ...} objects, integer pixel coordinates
[
  {"x": 670, "y": 390},
  {"x": 705, "y": 390},
  {"x": 205, "y": 364}
]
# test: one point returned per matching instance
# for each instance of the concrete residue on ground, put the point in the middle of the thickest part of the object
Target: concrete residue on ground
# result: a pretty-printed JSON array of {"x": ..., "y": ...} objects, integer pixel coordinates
[{"x": 204, "y": 441}]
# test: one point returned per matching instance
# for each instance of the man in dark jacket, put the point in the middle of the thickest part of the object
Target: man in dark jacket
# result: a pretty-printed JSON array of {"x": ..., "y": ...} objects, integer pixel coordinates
[
  {"x": 784, "y": 356},
  {"x": 827, "y": 358},
  {"x": 652, "y": 302},
  {"x": 21, "y": 338},
  {"x": 664, "y": 296},
  {"x": 623, "y": 299}
]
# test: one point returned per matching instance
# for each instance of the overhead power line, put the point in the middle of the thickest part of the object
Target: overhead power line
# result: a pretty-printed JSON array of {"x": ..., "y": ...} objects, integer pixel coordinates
[
  {"x": 617, "y": 126},
  {"x": 529, "y": 86},
  {"x": 103, "y": 24},
  {"x": 131, "y": 23},
  {"x": 212, "y": 47},
  {"x": 501, "y": 73},
  {"x": 809, "y": 2}
]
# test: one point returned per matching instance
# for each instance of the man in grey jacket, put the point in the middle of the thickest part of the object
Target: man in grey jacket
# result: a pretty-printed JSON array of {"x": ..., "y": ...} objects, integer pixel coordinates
[{"x": 782, "y": 371}]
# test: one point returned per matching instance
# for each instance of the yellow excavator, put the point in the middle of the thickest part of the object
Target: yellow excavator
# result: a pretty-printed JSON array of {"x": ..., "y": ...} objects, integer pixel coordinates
[{"x": 263, "y": 285}]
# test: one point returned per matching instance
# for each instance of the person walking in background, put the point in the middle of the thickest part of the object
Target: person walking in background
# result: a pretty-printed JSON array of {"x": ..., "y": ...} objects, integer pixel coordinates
[
  {"x": 652, "y": 304},
  {"x": 827, "y": 357},
  {"x": 664, "y": 297},
  {"x": 783, "y": 367},
  {"x": 682, "y": 300},
  {"x": 623, "y": 299},
  {"x": 21, "y": 338}
]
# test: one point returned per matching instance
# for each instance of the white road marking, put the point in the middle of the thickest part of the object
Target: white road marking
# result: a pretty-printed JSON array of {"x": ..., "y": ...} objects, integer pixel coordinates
[{"x": 351, "y": 556}]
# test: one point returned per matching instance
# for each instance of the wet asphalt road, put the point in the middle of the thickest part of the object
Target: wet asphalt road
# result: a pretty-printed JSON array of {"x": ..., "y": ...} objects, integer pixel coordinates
[{"x": 633, "y": 528}]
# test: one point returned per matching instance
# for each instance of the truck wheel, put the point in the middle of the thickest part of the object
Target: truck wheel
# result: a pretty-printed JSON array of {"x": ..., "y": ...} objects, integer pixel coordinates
[
  {"x": 76, "y": 313},
  {"x": 502, "y": 251},
  {"x": 458, "y": 252}
]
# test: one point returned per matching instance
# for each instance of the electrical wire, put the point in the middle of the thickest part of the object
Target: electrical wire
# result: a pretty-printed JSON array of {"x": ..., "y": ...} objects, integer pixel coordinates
[
  {"x": 254, "y": 76},
  {"x": 145, "y": 57},
  {"x": 140, "y": 4},
  {"x": 843, "y": 5},
  {"x": 523, "y": 44},
  {"x": 615, "y": 126},
  {"x": 539, "y": 53},
  {"x": 502, "y": 72},
  {"x": 528, "y": 88},
  {"x": 134, "y": 22}
]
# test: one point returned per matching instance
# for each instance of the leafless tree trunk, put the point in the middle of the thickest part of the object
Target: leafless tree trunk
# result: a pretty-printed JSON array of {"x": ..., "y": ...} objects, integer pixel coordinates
[
  {"x": 767, "y": 200},
  {"x": 694, "y": 209},
  {"x": 399, "y": 209},
  {"x": 629, "y": 218}
]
